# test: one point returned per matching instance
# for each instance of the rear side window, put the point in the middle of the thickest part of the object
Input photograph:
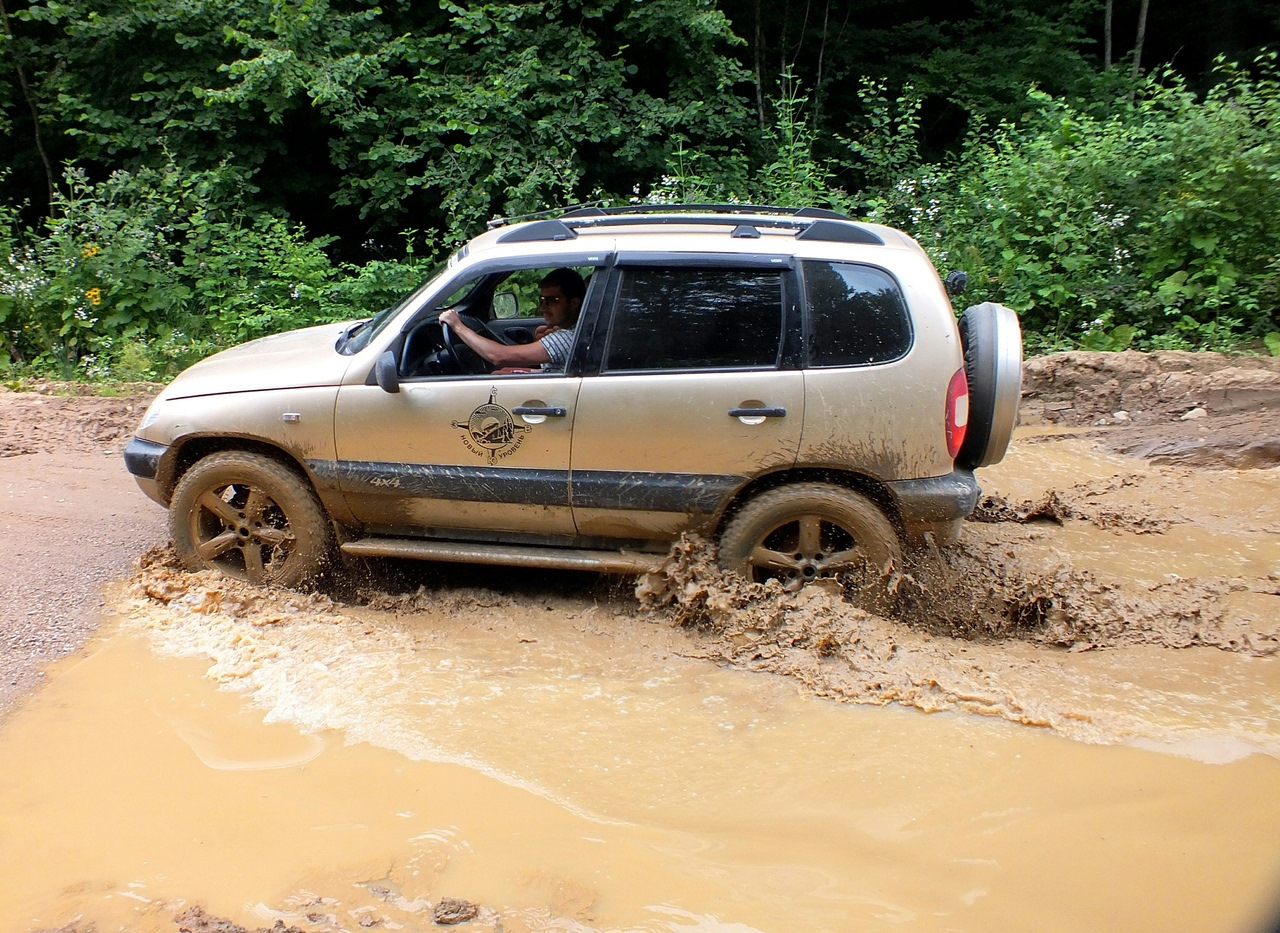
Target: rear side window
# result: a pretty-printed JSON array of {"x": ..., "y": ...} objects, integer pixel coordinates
[
  {"x": 669, "y": 319},
  {"x": 857, "y": 315}
]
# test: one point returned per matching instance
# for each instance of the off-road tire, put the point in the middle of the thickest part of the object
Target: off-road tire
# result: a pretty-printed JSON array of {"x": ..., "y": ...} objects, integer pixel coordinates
[
  {"x": 249, "y": 517},
  {"x": 804, "y": 531}
]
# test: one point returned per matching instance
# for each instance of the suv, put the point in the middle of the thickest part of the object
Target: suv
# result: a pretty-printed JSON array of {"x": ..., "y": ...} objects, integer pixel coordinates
[{"x": 790, "y": 383}]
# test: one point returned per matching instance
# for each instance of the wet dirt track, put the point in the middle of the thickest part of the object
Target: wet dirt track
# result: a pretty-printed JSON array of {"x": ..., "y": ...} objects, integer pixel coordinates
[{"x": 568, "y": 757}]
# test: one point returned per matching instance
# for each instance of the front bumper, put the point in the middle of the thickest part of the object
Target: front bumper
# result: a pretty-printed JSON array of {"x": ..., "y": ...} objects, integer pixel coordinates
[{"x": 142, "y": 459}]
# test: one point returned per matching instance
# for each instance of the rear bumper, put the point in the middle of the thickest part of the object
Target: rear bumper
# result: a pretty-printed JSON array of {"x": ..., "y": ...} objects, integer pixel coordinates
[{"x": 935, "y": 504}]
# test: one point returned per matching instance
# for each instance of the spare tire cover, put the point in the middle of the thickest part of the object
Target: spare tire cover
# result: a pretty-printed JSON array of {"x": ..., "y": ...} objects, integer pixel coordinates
[{"x": 992, "y": 341}]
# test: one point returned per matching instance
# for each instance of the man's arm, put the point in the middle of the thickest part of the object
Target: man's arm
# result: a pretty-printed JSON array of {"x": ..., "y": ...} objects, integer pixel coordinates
[{"x": 500, "y": 355}]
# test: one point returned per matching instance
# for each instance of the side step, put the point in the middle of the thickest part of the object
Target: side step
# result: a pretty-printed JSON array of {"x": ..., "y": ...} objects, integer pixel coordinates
[{"x": 473, "y": 553}]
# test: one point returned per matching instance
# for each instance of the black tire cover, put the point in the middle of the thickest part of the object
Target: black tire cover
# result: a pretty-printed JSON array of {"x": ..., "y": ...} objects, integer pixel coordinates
[{"x": 992, "y": 341}]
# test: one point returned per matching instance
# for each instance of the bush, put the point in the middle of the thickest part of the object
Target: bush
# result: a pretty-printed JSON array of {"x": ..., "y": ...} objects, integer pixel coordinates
[
  {"x": 1157, "y": 218},
  {"x": 143, "y": 273}
]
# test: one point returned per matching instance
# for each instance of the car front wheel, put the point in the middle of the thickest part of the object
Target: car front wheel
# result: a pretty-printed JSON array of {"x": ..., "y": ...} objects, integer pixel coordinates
[
  {"x": 799, "y": 533},
  {"x": 249, "y": 517}
]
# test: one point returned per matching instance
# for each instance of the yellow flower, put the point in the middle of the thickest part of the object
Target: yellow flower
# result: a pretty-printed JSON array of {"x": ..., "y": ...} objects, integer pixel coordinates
[
  {"x": 89, "y": 250},
  {"x": 94, "y": 295}
]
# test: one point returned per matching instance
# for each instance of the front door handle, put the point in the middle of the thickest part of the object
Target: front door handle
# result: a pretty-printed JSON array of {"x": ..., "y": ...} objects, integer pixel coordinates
[
  {"x": 757, "y": 412},
  {"x": 552, "y": 412}
]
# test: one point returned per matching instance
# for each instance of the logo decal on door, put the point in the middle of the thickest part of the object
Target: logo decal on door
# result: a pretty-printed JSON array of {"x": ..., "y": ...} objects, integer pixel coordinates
[{"x": 491, "y": 431}]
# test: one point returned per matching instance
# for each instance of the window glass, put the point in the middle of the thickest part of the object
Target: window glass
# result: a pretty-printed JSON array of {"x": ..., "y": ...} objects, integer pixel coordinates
[
  {"x": 668, "y": 319},
  {"x": 856, "y": 315}
]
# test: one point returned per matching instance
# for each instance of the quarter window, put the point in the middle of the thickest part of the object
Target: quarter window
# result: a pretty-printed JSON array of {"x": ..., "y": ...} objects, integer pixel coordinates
[
  {"x": 674, "y": 319},
  {"x": 857, "y": 315}
]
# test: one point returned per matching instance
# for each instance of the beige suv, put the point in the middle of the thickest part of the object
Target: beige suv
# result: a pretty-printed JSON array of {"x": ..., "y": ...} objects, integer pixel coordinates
[{"x": 791, "y": 384}]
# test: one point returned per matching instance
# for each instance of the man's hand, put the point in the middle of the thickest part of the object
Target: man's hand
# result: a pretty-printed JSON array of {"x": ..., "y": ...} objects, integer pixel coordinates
[{"x": 498, "y": 355}]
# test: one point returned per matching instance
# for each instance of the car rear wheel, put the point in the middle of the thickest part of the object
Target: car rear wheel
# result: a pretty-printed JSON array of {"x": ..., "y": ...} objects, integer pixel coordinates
[
  {"x": 799, "y": 533},
  {"x": 249, "y": 517},
  {"x": 992, "y": 341}
]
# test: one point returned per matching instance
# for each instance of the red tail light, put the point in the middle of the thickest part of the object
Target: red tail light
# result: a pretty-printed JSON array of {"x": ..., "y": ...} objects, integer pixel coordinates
[{"x": 957, "y": 412}]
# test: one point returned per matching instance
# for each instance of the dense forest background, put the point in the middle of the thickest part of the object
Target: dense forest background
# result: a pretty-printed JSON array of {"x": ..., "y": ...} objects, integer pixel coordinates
[{"x": 176, "y": 175}]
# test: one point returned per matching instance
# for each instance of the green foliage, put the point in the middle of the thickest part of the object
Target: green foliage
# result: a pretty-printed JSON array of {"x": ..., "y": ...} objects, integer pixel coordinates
[
  {"x": 1158, "y": 217},
  {"x": 408, "y": 114},
  {"x": 1114, "y": 340},
  {"x": 1272, "y": 341},
  {"x": 1110, "y": 210},
  {"x": 787, "y": 173},
  {"x": 887, "y": 147},
  {"x": 142, "y": 274}
]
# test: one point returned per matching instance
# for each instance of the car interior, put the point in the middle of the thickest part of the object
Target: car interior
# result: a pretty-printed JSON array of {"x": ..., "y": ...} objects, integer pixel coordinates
[{"x": 502, "y": 306}]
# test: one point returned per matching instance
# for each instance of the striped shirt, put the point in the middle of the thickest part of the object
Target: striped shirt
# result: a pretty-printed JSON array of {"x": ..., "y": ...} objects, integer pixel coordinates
[{"x": 558, "y": 343}]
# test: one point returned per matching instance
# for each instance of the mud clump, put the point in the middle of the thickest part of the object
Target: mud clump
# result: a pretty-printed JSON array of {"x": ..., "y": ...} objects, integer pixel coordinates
[
  {"x": 935, "y": 634},
  {"x": 197, "y": 920},
  {"x": 819, "y": 637},
  {"x": 450, "y": 911},
  {"x": 963, "y": 592},
  {"x": 1057, "y": 507},
  {"x": 161, "y": 579},
  {"x": 980, "y": 591}
]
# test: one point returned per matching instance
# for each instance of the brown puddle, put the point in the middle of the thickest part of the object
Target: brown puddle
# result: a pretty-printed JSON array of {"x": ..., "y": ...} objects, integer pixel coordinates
[
  {"x": 608, "y": 784},
  {"x": 570, "y": 760}
]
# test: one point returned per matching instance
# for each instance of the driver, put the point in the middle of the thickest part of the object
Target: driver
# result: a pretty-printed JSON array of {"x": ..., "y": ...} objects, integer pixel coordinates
[{"x": 560, "y": 299}]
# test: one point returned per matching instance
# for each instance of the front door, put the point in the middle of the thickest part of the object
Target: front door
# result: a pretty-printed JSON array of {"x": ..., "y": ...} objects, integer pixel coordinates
[{"x": 467, "y": 453}]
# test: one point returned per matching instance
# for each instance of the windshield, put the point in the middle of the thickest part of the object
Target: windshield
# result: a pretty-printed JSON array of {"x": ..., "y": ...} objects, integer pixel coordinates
[{"x": 359, "y": 335}]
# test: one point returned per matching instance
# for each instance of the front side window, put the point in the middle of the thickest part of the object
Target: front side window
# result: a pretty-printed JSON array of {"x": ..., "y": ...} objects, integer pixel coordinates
[
  {"x": 688, "y": 318},
  {"x": 857, "y": 315}
]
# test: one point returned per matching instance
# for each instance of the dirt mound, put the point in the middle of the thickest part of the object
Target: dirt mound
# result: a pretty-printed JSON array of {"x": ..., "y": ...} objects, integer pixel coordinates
[
  {"x": 1083, "y": 388},
  {"x": 1203, "y": 410},
  {"x": 49, "y": 421},
  {"x": 1247, "y": 441}
]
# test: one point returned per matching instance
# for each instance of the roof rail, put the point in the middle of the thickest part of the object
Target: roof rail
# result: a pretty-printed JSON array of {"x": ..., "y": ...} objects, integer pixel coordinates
[
  {"x": 595, "y": 210},
  {"x": 809, "y": 223}
]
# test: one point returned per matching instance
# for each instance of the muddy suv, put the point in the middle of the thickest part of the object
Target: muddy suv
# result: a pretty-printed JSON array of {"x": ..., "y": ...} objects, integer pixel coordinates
[{"x": 789, "y": 383}]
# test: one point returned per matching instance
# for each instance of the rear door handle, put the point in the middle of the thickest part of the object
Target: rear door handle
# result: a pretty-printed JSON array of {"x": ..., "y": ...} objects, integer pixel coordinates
[
  {"x": 552, "y": 412},
  {"x": 757, "y": 412}
]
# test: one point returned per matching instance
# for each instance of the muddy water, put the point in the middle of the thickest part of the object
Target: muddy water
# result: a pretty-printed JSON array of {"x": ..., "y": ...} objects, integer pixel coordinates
[
  {"x": 567, "y": 761},
  {"x": 571, "y": 776}
]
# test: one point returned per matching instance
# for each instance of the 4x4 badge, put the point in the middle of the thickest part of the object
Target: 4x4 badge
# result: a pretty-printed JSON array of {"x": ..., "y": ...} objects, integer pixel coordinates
[{"x": 491, "y": 431}]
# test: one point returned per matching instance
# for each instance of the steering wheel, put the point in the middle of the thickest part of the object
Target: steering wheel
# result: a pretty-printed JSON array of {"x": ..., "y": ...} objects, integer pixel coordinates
[{"x": 466, "y": 359}]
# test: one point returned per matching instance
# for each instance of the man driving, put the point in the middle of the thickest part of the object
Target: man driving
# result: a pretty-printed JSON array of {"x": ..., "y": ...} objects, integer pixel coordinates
[{"x": 560, "y": 300}]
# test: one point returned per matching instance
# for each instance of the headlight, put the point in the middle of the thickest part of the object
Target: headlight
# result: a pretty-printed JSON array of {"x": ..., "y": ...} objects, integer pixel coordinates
[{"x": 153, "y": 412}]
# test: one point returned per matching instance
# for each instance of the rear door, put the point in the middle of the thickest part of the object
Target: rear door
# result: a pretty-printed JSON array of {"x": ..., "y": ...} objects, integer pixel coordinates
[{"x": 695, "y": 389}]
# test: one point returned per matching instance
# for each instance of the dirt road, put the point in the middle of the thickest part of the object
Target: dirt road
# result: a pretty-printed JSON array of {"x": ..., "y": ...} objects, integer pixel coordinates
[{"x": 71, "y": 520}]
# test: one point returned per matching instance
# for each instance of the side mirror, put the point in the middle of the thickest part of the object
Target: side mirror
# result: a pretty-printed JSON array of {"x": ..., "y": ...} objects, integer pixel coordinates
[
  {"x": 506, "y": 305},
  {"x": 384, "y": 373},
  {"x": 956, "y": 282}
]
